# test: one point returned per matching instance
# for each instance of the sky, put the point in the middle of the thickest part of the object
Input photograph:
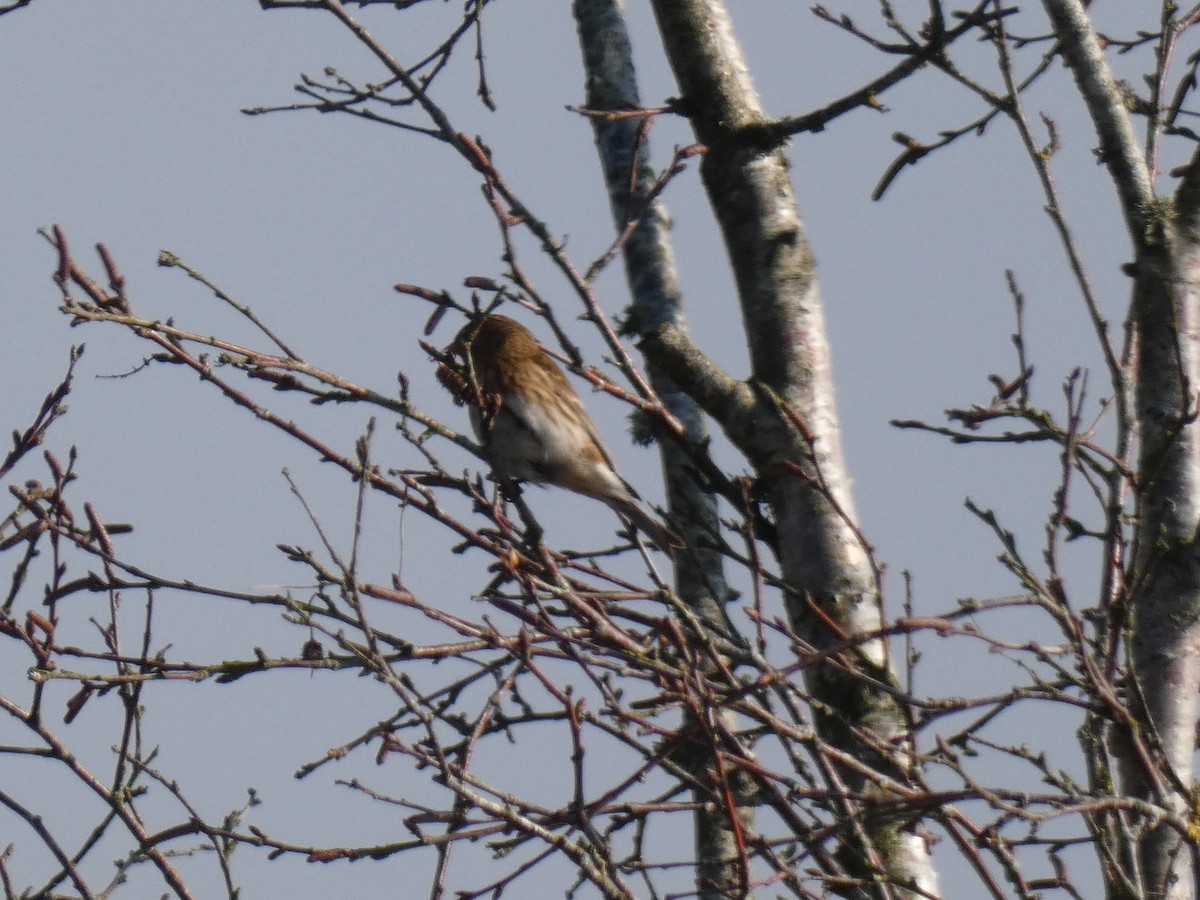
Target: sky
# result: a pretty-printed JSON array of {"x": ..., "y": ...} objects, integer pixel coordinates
[{"x": 123, "y": 124}]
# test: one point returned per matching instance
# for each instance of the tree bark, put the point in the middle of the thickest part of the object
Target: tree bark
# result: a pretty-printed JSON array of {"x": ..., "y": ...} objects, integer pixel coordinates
[
  {"x": 785, "y": 422},
  {"x": 1165, "y": 584},
  {"x": 650, "y": 271}
]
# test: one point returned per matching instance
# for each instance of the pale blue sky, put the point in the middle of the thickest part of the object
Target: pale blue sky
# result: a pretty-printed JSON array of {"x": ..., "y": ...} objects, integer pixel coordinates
[{"x": 122, "y": 124}]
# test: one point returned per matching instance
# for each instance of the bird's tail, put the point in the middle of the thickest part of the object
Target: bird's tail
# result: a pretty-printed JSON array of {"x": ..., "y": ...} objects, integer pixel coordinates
[{"x": 658, "y": 534}]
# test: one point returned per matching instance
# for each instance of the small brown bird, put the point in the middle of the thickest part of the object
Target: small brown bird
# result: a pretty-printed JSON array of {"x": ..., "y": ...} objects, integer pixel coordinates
[{"x": 534, "y": 427}]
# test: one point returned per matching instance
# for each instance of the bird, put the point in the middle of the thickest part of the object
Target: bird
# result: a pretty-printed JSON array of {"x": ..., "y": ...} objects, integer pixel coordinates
[{"x": 532, "y": 424}]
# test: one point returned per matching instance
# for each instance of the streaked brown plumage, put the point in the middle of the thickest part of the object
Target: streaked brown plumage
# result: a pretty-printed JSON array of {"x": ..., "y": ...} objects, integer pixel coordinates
[{"x": 534, "y": 427}]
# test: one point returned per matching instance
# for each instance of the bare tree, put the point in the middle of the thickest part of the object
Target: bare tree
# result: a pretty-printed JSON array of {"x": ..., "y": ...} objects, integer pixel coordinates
[{"x": 783, "y": 729}]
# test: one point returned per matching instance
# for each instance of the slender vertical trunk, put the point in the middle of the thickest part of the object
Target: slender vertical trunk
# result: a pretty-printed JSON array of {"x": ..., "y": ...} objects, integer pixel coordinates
[
  {"x": 1165, "y": 649},
  {"x": 650, "y": 270},
  {"x": 1165, "y": 582}
]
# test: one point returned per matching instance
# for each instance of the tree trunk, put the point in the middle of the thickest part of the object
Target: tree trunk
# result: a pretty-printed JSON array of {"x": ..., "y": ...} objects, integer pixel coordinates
[
  {"x": 1165, "y": 583},
  {"x": 654, "y": 285},
  {"x": 784, "y": 420}
]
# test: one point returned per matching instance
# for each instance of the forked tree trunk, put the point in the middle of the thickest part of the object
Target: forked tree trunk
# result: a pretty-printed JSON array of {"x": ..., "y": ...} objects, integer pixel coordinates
[{"x": 783, "y": 419}]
